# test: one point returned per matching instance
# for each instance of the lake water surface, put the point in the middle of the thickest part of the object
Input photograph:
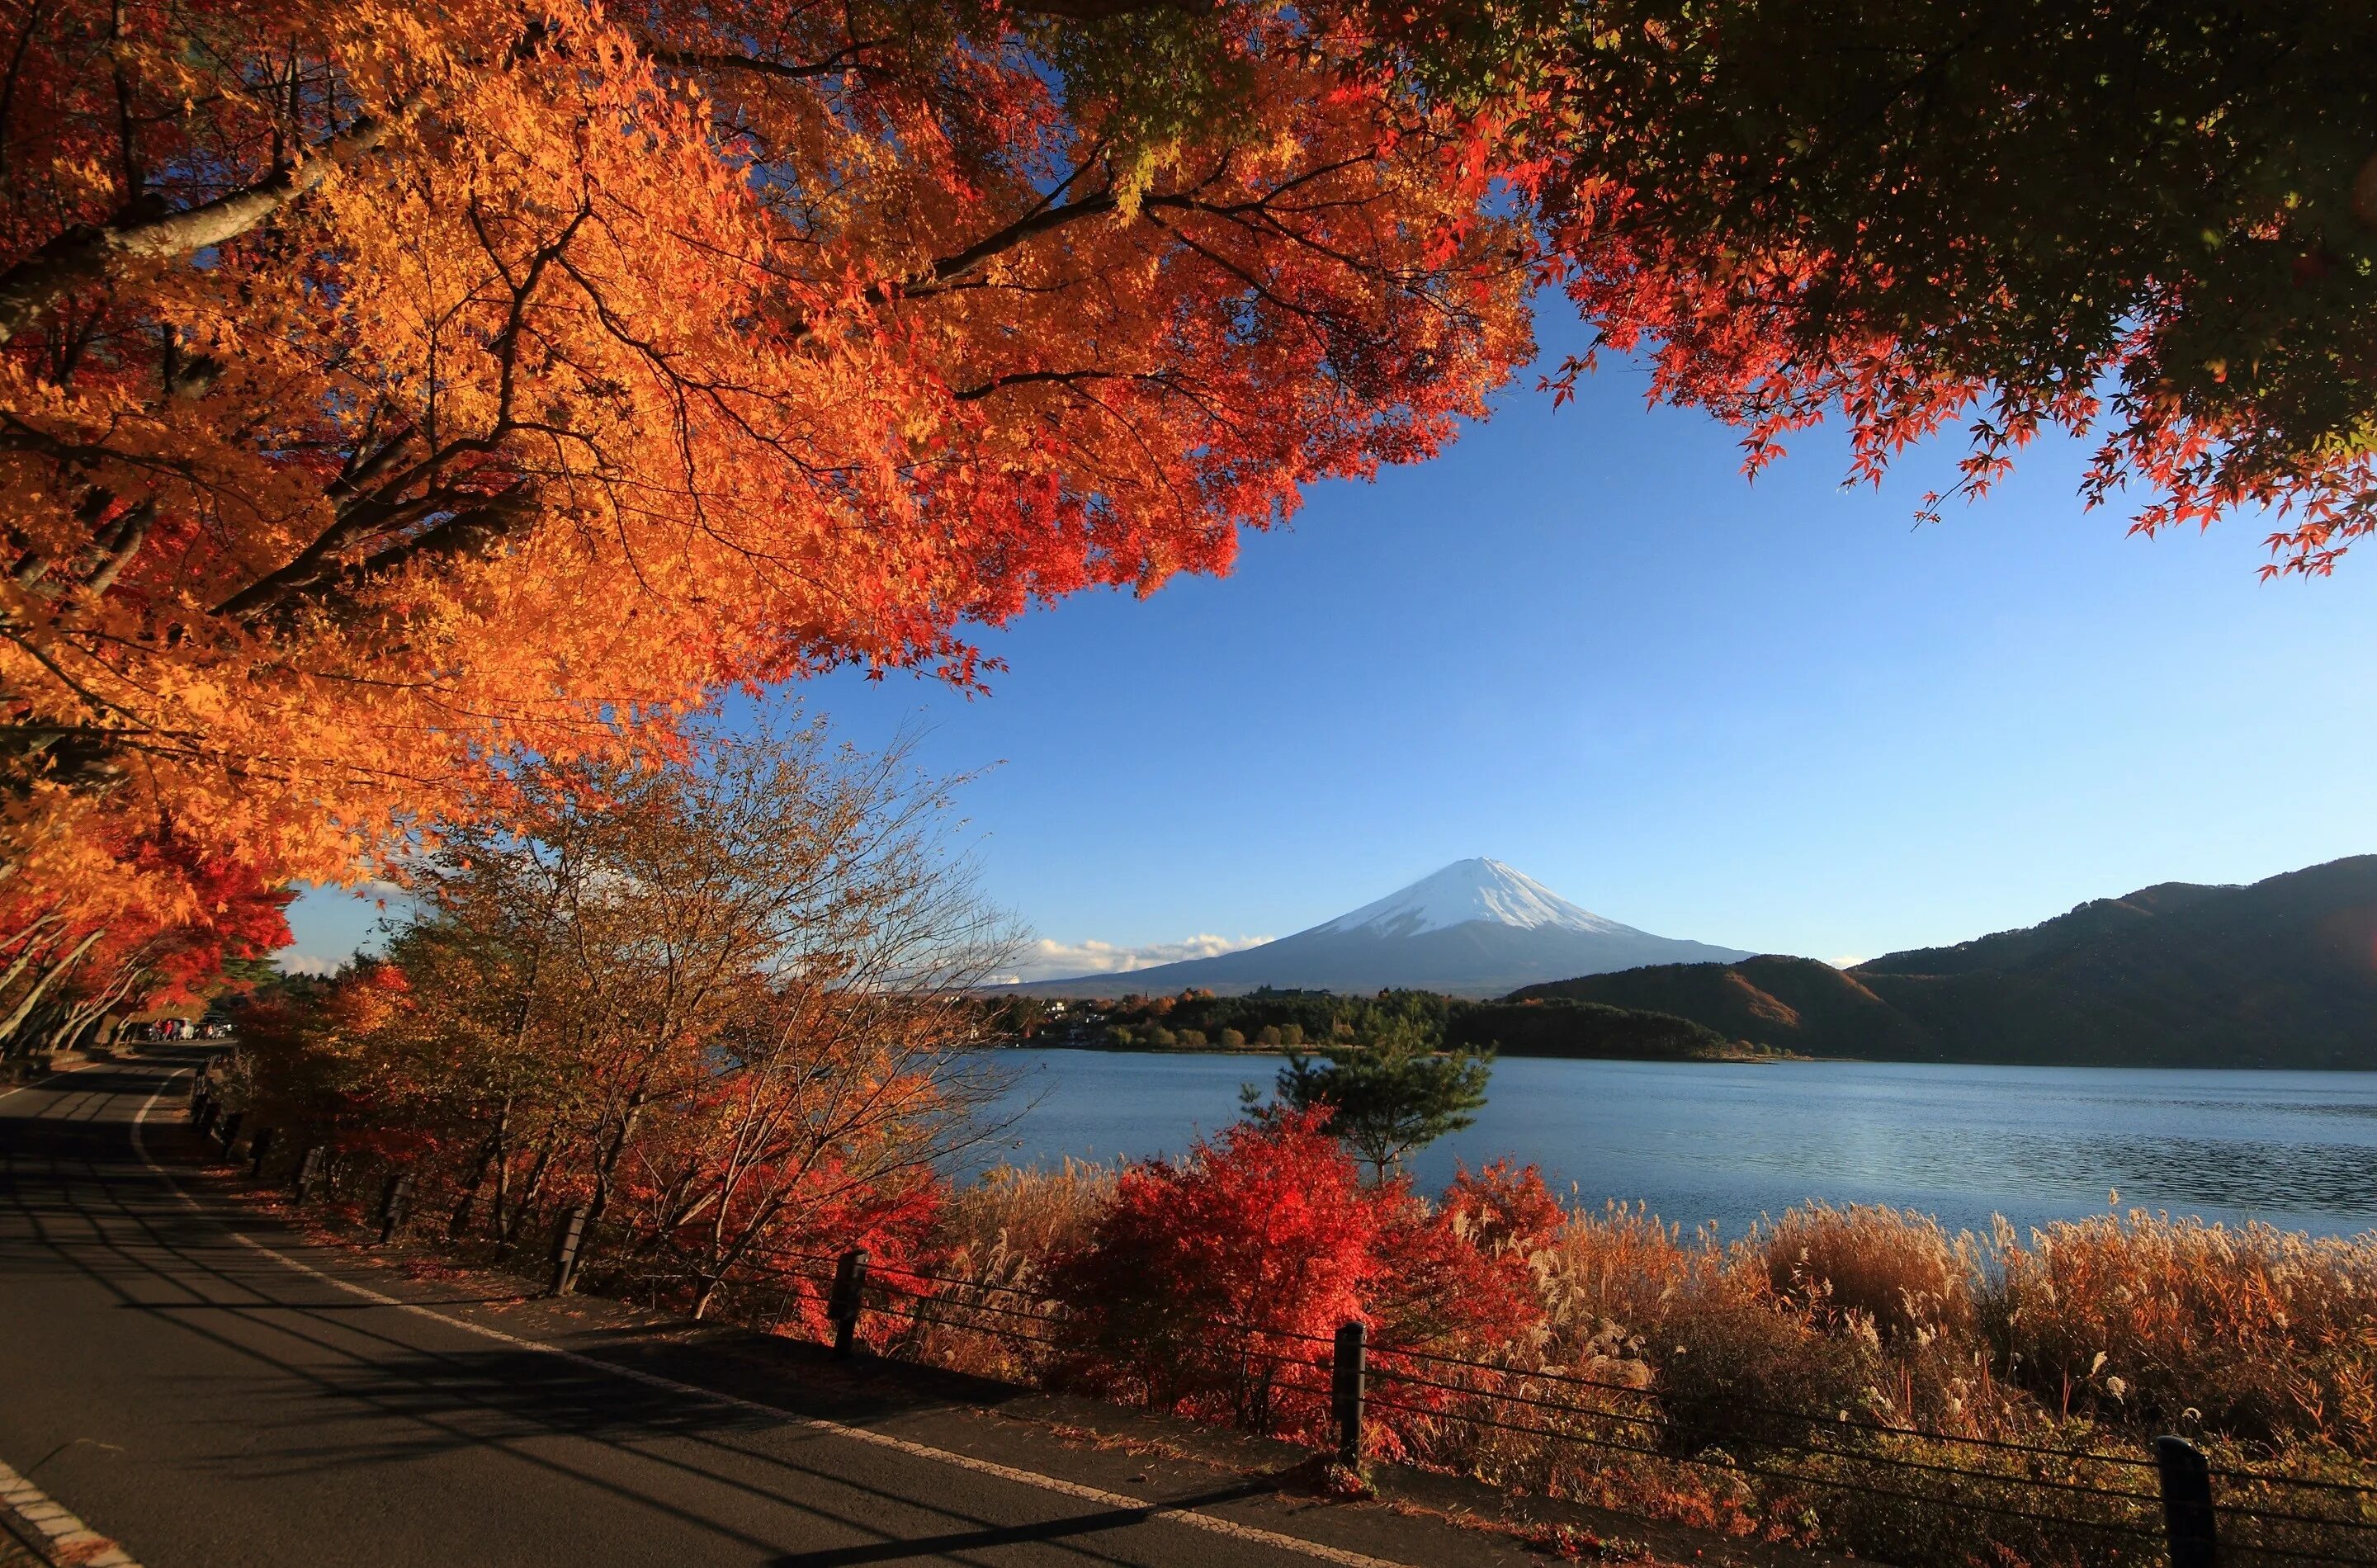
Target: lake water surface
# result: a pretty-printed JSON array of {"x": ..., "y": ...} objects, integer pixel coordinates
[{"x": 1725, "y": 1142}]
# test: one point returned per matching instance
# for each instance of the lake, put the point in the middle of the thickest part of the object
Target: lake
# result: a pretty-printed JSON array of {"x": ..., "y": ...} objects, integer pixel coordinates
[{"x": 1726, "y": 1142}]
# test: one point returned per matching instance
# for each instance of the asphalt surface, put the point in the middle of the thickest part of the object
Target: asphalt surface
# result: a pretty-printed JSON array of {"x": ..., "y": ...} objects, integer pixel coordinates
[{"x": 195, "y": 1378}]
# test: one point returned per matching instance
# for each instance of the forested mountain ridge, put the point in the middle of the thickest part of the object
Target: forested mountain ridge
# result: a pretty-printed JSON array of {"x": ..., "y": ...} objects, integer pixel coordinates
[
  {"x": 2281, "y": 973},
  {"x": 1799, "y": 1004}
]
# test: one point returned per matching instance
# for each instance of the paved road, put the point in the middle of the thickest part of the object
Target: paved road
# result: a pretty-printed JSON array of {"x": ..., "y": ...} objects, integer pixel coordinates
[{"x": 168, "y": 1376}]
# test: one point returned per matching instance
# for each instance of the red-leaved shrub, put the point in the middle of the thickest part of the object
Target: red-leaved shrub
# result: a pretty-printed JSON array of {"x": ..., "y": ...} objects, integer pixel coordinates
[
  {"x": 1459, "y": 1277},
  {"x": 1211, "y": 1285}
]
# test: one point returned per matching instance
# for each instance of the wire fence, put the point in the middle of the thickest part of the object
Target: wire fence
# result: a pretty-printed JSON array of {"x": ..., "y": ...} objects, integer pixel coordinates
[
  {"x": 1893, "y": 1492},
  {"x": 1439, "y": 1406}
]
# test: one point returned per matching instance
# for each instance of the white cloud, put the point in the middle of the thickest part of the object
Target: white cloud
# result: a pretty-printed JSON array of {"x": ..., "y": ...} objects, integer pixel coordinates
[
  {"x": 307, "y": 964},
  {"x": 1045, "y": 959}
]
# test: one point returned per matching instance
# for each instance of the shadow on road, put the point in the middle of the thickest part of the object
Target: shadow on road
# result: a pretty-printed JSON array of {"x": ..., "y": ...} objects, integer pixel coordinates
[
  {"x": 1018, "y": 1534},
  {"x": 310, "y": 1384}
]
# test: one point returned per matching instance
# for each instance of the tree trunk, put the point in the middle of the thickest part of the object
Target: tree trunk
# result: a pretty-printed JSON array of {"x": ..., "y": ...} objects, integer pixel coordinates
[
  {"x": 490, "y": 1152},
  {"x": 15, "y": 1020},
  {"x": 82, "y": 1015},
  {"x": 608, "y": 1161},
  {"x": 32, "y": 950},
  {"x": 535, "y": 1188}
]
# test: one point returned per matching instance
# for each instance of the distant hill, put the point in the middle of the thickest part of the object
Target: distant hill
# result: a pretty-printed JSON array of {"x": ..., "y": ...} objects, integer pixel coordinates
[
  {"x": 1564, "y": 1028},
  {"x": 2279, "y": 973},
  {"x": 1475, "y": 928},
  {"x": 1791, "y": 1003}
]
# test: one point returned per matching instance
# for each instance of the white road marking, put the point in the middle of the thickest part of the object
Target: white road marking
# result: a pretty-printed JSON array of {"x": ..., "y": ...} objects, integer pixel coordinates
[
  {"x": 70, "y": 1539},
  {"x": 1193, "y": 1518}
]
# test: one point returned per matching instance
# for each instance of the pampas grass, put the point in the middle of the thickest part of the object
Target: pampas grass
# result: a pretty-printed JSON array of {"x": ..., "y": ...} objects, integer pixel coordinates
[{"x": 1722, "y": 1382}]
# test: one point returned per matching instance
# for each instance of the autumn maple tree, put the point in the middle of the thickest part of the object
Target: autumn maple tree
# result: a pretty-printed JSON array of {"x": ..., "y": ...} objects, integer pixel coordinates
[
  {"x": 169, "y": 926},
  {"x": 2149, "y": 224},
  {"x": 390, "y": 391}
]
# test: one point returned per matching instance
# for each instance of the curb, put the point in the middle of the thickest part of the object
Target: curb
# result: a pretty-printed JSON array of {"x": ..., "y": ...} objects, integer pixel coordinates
[{"x": 49, "y": 1533}]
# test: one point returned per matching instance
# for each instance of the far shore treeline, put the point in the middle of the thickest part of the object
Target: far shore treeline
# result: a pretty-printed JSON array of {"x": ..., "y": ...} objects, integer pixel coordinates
[{"x": 1300, "y": 1021}]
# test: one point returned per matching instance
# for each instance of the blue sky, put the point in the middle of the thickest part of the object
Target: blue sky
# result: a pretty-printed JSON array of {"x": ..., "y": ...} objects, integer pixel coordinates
[{"x": 1778, "y": 715}]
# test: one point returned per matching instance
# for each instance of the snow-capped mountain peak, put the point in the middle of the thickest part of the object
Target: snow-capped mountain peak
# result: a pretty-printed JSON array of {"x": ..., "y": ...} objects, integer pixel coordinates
[
  {"x": 1476, "y": 928},
  {"x": 1467, "y": 891}
]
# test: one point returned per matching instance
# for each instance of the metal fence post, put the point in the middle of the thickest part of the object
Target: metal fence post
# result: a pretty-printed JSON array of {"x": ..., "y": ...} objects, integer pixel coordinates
[
  {"x": 2187, "y": 1517},
  {"x": 1345, "y": 1390},
  {"x": 309, "y": 1172},
  {"x": 393, "y": 1206},
  {"x": 842, "y": 1306},
  {"x": 257, "y": 1148},
  {"x": 566, "y": 1243}
]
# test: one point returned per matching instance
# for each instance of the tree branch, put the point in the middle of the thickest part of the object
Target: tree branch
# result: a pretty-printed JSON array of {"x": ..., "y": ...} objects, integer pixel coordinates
[
  {"x": 85, "y": 255},
  {"x": 130, "y": 535},
  {"x": 1096, "y": 11},
  {"x": 841, "y": 60},
  {"x": 474, "y": 528}
]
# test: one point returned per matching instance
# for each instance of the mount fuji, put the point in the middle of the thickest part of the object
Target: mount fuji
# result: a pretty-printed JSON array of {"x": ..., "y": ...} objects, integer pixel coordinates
[{"x": 1477, "y": 928}]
